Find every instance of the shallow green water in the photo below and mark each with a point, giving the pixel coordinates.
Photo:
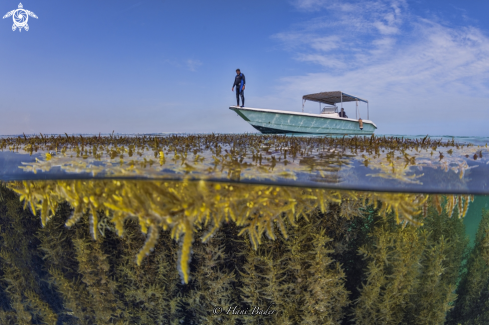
(474, 214)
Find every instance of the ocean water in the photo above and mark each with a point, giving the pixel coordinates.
(243, 229)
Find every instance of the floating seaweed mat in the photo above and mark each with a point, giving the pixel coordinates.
(236, 141)
(378, 163)
(187, 207)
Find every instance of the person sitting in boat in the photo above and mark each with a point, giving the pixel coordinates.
(342, 113)
(239, 82)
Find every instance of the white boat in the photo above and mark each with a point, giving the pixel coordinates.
(328, 121)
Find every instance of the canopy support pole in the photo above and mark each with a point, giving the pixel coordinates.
(358, 112)
(368, 115)
(303, 102)
(341, 99)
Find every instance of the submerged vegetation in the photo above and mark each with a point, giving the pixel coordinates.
(472, 304)
(299, 253)
(185, 207)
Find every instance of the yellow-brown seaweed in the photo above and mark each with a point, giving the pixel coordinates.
(312, 275)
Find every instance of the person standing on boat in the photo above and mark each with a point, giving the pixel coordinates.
(239, 83)
(342, 113)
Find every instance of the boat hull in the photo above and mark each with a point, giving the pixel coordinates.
(277, 122)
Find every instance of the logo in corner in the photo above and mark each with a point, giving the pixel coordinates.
(20, 17)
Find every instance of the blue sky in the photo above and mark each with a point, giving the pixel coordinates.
(168, 66)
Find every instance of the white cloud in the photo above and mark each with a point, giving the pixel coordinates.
(192, 65)
(355, 33)
(323, 60)
(384, 16)
(326, 44)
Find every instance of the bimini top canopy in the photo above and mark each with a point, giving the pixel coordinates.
(332, 97)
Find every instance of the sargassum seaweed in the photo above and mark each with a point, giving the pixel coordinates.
(184, 207)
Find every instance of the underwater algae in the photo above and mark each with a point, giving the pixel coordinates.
(472, 305)
(185, 207)
(121, 258)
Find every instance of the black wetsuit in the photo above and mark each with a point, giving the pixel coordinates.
(343, 114)
(239, 82)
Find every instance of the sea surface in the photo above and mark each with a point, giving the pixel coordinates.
(243, 229)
